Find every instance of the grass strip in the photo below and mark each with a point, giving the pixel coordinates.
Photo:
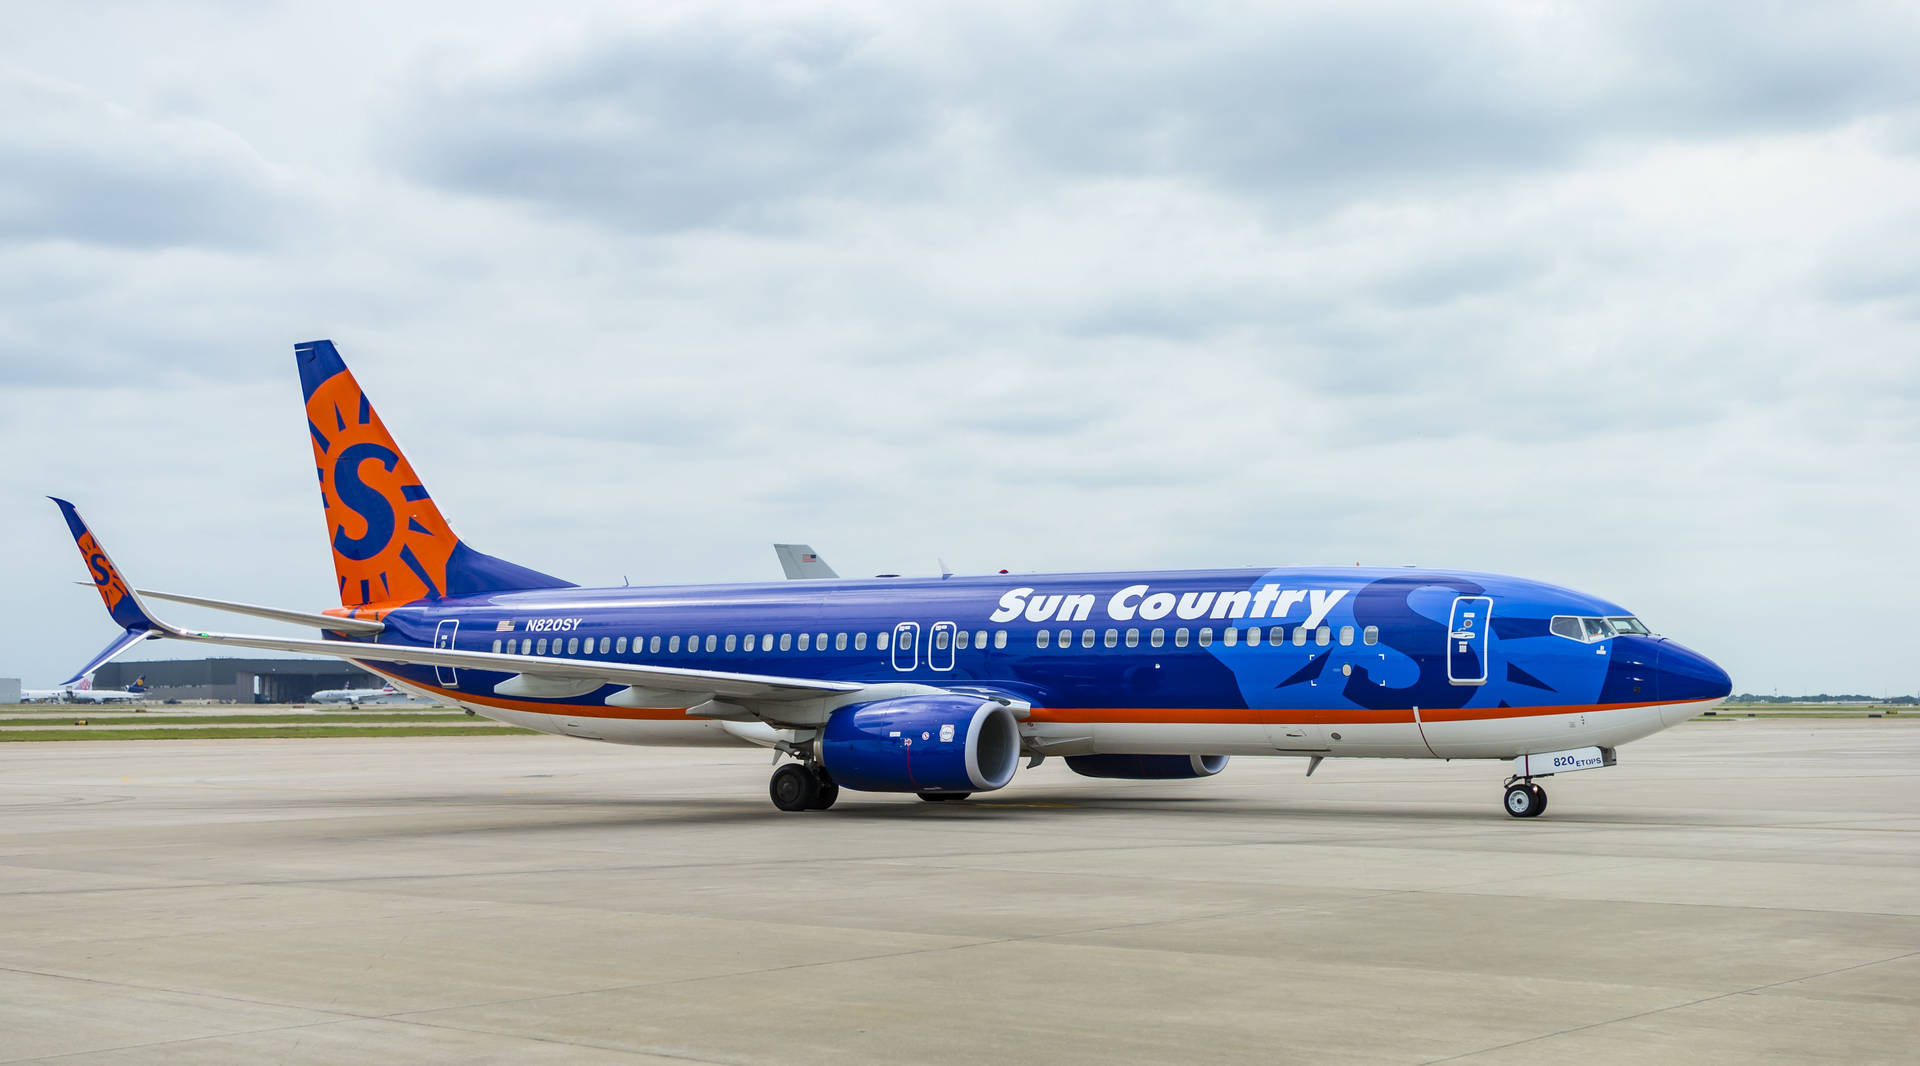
(261, 733)
(234, 719)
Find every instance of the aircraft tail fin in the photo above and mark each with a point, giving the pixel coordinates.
(800, 562)
(390, 543)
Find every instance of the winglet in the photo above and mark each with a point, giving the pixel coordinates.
(123, 603)
(111, 652)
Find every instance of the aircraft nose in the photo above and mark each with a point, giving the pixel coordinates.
(1684, 675)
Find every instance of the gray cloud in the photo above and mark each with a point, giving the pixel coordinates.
(75, 167)
(657, 132)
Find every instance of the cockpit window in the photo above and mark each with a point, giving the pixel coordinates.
(1584, 630)
(1630, 624)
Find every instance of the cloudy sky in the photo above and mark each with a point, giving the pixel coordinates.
(1620, 296)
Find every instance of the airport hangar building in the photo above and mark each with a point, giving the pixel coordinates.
(239, 680)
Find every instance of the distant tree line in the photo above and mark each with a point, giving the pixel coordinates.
(1897, 701)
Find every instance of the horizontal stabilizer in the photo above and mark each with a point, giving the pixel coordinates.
(355, 626)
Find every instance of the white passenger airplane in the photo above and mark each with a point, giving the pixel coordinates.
(82, 691)
(357, 696)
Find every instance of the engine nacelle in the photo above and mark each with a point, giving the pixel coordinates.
(1147, 767)
(930, 743)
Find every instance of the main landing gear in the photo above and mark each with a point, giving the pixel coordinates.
(1525, 799)
(802, 787)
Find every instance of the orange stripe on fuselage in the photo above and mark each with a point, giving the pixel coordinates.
(569, 710)
(1311, 716)
(1086, 715)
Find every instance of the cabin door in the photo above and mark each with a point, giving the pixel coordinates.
(443, 635)
(1467, 640)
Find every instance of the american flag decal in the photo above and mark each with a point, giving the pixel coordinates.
(504, 627)
(809, 557)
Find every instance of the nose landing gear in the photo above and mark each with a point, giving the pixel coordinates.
(1525, 799)
(802, 787)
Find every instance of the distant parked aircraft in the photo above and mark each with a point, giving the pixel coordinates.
(82, 691)
(358, 696)
(801, 562)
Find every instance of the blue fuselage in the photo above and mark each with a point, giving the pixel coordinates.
(1320, 647)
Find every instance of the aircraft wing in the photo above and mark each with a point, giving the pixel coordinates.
(800, 562)
(706, 693)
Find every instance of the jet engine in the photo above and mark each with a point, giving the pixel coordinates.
(1147, 767)
(933, 743)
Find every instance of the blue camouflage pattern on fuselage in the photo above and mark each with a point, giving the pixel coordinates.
(1528, 667)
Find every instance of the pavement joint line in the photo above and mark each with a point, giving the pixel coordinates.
(1673, 1007)
(178, 1040)
(336, 1016)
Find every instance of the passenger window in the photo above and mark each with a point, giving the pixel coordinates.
(1157, 638)
(960, 640)
(839, 642)
(748, 643)
(1346, 636)
(1066, 638)
(786, 642)
(979, 639)
(1277, 635)
(999, 638)
(693, 644)
(1299, 636)
(820, 641)
(573, 645)
(1206, 636)
(1113, 638)
(1086, 638)
(1180, 637)
(1229, 636)
(806, 641)
(940, 639)
(860, 641)
(496, 645)
(543, 646)
(653, 644)
(733, 641)
(1133, 638)
(1253, 636)
(1370, 635)
(1323, 636)
(606, 644)
(880, 641)
(511, 644)
(1042, 637)
(620, 646)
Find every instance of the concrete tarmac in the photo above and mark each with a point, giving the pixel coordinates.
(1733, 891)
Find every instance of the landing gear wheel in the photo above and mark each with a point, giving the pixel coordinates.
(824, 795)
(943, 797)
(794, 788)
(1526, 800)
